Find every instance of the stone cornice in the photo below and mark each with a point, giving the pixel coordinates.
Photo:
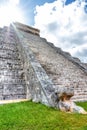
(27, 28)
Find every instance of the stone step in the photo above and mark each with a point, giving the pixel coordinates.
(7, 41)
(13, 97)
(13, 89)
(3, 41)
(10, 66)
(8, 47)
(81, 89)
(80, 92)
(8, 53)
(13, 76)
(11, 61)
(5, 63)
(12, 73)
(10, 80)
(79, 98)
(9, 58)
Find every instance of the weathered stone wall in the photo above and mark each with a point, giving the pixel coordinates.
(12, 85)
(21, 75)
(26, 28)
(39, 87)
(62, 69)
(32, 68)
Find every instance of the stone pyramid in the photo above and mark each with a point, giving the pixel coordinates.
(32, 68)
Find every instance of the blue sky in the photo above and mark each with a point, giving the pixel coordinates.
(62, 22)
(29, 7)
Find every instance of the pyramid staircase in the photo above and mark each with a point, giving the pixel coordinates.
(63, 69)
(12, 82)
(32, 68)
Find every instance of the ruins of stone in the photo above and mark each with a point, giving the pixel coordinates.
(32, 68)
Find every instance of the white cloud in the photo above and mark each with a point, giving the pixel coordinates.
(10, 12)
(64, 25)
(14, 2)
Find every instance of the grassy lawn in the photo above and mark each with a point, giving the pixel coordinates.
(31, 116)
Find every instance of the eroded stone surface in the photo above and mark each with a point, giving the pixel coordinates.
(32, 68)
(12, 85)
(62, 69)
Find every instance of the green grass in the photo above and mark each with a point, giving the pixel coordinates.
(31, 116)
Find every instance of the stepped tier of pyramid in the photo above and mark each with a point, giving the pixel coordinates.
(32, 68)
